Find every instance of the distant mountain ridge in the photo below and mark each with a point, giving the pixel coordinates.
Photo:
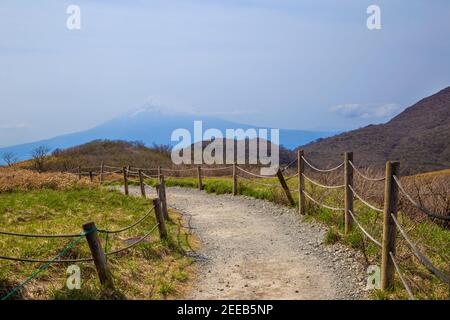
(419, 137)
(152, 126)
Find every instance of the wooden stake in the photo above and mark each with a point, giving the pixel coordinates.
(301, 182)
(199, 175)
(79, 172)
(389, 227)
(285, 187)
(141, 182)
(348, 182)
(102, 170)
(235, 180)
(91, 176)
(125, 180)
(98, 254)
(160, 219)
(162, 197)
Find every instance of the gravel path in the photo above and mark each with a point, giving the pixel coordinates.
(254, 249)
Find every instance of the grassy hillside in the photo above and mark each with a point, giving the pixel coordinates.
(154, 269)
(418, 137)
(114, 153)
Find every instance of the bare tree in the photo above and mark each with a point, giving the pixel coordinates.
(39, 155)
(10, 158)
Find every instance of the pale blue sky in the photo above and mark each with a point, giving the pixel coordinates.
(280, 63)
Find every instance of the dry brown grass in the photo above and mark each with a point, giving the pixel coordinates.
(27, 180)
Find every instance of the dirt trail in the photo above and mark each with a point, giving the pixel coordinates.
(253, 249)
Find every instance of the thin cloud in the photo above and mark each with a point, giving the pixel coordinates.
(366, 111)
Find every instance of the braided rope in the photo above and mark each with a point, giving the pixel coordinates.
(150, 176)
(27, 235)
(214, 169)
(254, 174)
(134, 243)
(289, 165)
(405, 284)
(422, 258)
(321, 185)
(289, 178)
(271, 185)
(378, 243)
(364, 201)
(364, 176)
(321, 170)
(418, 206)
(321, 204)
(130, 226)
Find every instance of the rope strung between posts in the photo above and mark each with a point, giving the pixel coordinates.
(408, 289)
(289, 165)
(422, 258)
(134, 243)
(321, 170)
(130, 226)
(364, 201)
(364, 176)
(27, 235)
(271, 185)
(254, 174)
(289, 178)
(215, 169)
(71, 245)
(322, 185)
(418, 206)
(150, 176)
(178, 170)
(321, 204)
(378, 243)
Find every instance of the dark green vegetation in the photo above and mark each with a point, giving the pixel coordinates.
(154, 269)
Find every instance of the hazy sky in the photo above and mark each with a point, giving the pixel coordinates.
(280, 63)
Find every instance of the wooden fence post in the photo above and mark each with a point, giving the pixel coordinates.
(98, 254)
(102, 170)
(285, 187)
(125, 180)
(91, 176)
(162, 197)
(389, 227)
(141, 182)
(301, 182)
(160, 219)
(199, 175)
(348, 182)
(235, 180)
(79, 172)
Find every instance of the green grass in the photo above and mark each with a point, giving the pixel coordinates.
(142, 272)
(433, 239)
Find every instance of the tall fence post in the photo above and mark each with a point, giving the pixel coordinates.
(79, 172)
(285, 187)
(199, 175)
(141, 183)
(162, 197)
(301, 182)
(125, 180)
(160, 219)
(102, 170)
(348, 182)
(98, 255)
(389, 227)
(91, 176)
(235, 181)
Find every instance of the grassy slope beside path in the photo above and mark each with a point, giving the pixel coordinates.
(152, 270)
